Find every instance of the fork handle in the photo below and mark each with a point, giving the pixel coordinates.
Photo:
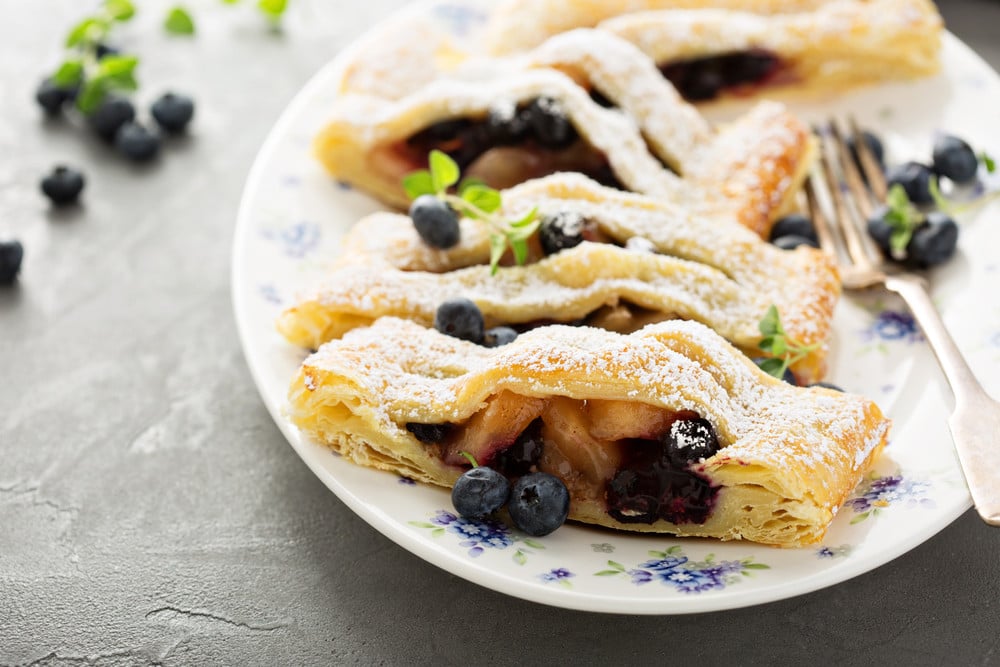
(975, 422)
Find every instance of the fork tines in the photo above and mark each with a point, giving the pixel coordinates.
(853, 188)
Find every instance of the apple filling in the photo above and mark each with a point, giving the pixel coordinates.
(640, 460)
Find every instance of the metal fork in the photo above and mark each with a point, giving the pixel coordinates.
(975, 421)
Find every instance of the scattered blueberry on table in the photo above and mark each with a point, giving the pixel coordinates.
(63, 185)
(11, 255)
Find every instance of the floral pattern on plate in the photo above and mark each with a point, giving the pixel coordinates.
(478, 535)
(877, 493)
(673, 568)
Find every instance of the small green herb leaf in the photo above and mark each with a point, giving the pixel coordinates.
(69, 74)
(484, 198)
(468, 183)
(90, 97)
(179, 22)
(524, 232)
(88, 31)
(770, 325)
(498, 246)
(520, 249)
(273, 9)
(527, 219)
(444, 171)
(418, 183)
(773, 366)
(117, 72)
(988, 162)
(903, 217)
(119, 10)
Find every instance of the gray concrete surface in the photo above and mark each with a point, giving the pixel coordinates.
(151, 512)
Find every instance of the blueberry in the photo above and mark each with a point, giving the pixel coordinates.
(63, 186)
(519, 458)
(954, 159)
(460, 318)
(435, 221)
(690, 440)
(429, 434)
(702, 83)
(792, 241)
(101, 49)
(915, 179)
(110, 115)
(749, 67)
(173, 112)
(933, 241)
(51, 97)
(600, 99)
(794, 224)
(498, 336)
(826, 385)
(539, 503)
(549, 123)
(880, 230)
(137, 143)
(479, 492)
(11, 254)
(505, 125)
(561, 231)
(874, 147)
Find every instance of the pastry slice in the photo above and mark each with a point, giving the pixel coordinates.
(712, 53)
(667, 430)
(712, 271)
(530, 122)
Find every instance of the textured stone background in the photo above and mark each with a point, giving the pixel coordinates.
(151, 512)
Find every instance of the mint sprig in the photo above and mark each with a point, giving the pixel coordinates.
(179, 22)
(111, 73)
(988, 162)
(903, 217)
(784, 349)
(477, 201)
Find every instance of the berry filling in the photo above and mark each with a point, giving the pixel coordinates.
(509, 145)
(737, 73)
(638, 459)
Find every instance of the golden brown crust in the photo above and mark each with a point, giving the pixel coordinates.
(790, 456)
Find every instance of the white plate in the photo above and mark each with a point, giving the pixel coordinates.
(292, 216)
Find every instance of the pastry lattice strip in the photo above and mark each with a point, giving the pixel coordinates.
(715, 272)
(789, 456)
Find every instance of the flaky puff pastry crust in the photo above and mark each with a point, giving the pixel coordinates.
(712, 271)
(789, 456)
(750, 169)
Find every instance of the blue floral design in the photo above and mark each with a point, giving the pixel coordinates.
(892, 325)
(458, 18)
(834, 552)
(557, 575)
(270, 293)
(296, 240)
(673, 568)
(878, 493)
(479, 535)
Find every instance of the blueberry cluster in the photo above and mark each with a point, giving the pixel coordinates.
(934, 236)
(543, 120)
(657, 480)
(538, 503)
(701, 79)
(462, 318)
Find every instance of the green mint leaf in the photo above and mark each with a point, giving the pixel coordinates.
(773, 367)
(779, 345)
(498, 246)
(523, 233)
(88, 31)
(119, 10)
(418, 183)
(90, 97)
(484, 198)
(527, 219)
(444, 171)
(899, 238)
(520, 248)
(942, 203)
(988, 162)
(69, 74)
(896, 199)
(112, 66)
(770, 325)
(468, 183)
(766, 344)
(179, 22)
(272, 8)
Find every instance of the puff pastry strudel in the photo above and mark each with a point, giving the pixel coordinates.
(613, 416)
(712, 271)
